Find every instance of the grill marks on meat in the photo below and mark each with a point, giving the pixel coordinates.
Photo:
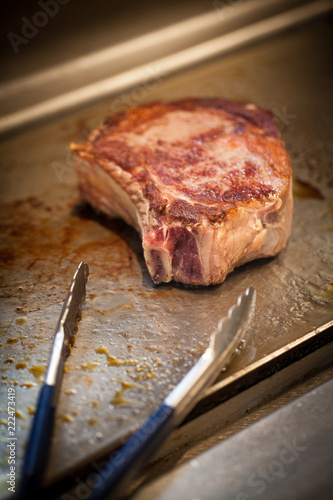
(206, 182)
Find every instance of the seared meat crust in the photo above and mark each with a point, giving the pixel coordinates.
(206, 182)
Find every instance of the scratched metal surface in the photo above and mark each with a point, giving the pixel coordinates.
(136, 340)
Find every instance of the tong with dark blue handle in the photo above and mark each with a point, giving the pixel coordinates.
(142, 446)
(40, 437)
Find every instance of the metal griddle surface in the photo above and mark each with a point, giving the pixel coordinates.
(136, 340)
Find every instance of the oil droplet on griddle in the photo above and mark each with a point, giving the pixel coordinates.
(111, 360)
(144, 376)
(21, 321)
(19, 414)
(93, 421)
(67, 418)
(37, 370)
(89, 367)
(328, 292)
(119, 399)
(94, 404)
(130, 385)
(4, 327)
(20, 366)
(70, 391)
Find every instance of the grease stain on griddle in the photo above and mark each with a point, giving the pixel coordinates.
(143, 370)
(93, 421)
(44, 246)
(89, 366)
(70, 392)
(12, 340)
(20, 365)
(27, 385)
(119, 399)
(111, 360)
(143, 375)
(81, 380)
(303, 189)
(66, 418)
(20, 414)
(130, 385)
(327, 293)
(93, 404)
(4, 327)
(37, 371)
(21, 321)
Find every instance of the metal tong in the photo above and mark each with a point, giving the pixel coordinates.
(41, 433)
(142, 446)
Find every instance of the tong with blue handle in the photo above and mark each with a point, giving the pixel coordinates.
(40, 437)
(143, 445)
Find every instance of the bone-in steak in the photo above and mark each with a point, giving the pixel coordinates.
(206, 182)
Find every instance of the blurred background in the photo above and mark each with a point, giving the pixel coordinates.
(61, 54)
(67, 64)
(82, 26)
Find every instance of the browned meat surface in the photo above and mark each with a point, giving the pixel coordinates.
(206, 182)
